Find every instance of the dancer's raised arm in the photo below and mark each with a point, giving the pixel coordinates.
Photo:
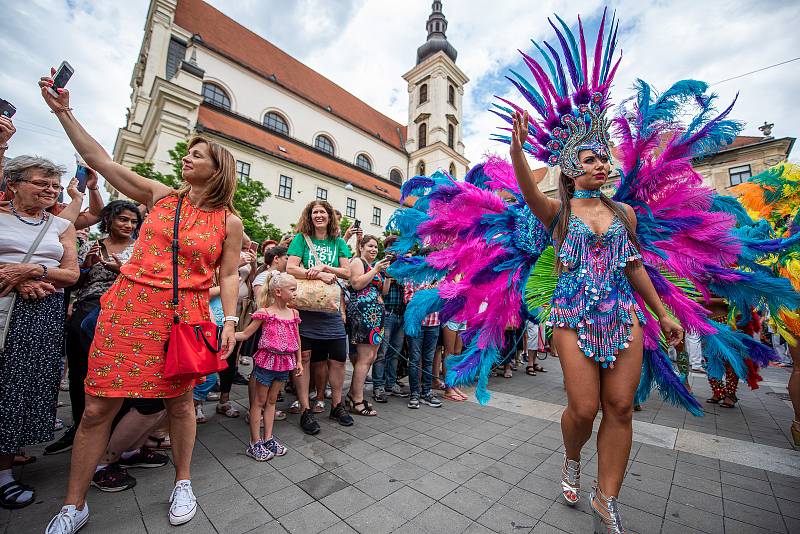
(544, 207)
(125, 180)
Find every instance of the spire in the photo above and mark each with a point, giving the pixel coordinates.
(437, 38)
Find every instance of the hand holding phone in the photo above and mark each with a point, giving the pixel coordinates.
(82, 174)
(7, 109)
(61, 77)
(356, 225)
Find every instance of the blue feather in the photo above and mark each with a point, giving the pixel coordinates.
(726, 204)
(423, 303)
(656, 368)
(726, 346)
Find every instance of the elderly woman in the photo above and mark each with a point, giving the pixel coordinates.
(101, 261)
(37, 260)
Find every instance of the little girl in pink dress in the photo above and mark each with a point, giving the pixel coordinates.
(278, 353)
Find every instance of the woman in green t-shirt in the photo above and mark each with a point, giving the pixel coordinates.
(322, 334)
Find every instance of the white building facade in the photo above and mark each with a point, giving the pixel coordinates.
(289, 127)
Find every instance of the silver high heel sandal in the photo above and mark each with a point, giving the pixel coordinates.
(571, 481)
(606, 521)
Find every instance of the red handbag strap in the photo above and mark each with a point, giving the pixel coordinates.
(175, 246)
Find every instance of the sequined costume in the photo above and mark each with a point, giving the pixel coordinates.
(592, 294)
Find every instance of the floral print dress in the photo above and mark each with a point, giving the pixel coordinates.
(129, 349)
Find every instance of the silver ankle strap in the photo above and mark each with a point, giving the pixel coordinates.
(611, 519)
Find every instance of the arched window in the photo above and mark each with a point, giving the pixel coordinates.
(451, 136)
(451, 95)
(452, 170)
(323, 143)
(276, 123)
(421, 168)
(216, 95)
(395, 177)
(422, 134)
(423, 93)
(364, 162)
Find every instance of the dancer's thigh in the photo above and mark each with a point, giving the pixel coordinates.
(618, 385)
(581, 374)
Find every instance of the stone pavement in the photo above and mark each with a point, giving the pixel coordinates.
(464, 468)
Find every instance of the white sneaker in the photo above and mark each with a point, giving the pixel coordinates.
(69, 520)
(184, 503)
(199, 416)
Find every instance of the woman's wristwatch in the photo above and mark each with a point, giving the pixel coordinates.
(231, 318)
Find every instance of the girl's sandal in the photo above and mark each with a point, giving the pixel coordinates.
(530, 370)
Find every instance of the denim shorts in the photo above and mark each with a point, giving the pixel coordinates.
(266, 377)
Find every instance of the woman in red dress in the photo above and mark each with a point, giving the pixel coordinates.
(127, 356)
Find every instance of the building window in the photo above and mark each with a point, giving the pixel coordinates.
(739, 174)
(364, 162)
(273, 121)
(395, 177)
(451, 136)
(376, 216)
(323, 143)
(351, 208)
(175, 54)
(421, 168)
(285, 187)
(451, 95)
(423, 135)
(216, 95)
(322, 193)
(452, 170)
(423, 93)
(242, 170)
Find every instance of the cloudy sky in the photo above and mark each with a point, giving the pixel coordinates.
(366, 45)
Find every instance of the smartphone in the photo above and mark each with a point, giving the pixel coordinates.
(254, 247)
(390, 257)
(82, 173)
(7, 109)
(357, 224)
(61, 77)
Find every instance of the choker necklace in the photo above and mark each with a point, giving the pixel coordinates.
(15, 214)
(586, 193)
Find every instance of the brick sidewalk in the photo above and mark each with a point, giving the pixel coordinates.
(460, 468)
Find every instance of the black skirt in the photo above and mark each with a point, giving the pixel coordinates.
(30, 369)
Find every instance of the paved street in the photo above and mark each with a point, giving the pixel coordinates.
(464, 468)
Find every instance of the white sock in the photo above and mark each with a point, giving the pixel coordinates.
(127, 454)
(6, 477)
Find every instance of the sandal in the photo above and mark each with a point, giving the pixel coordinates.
(453, 396)
(318, 407)
(158, 444)
(530, 370)
(538, 368)
(713, 400)
(9, 493)
(295, 407)
(227, 410)
(507, 374)
(365, 410)
(728, 402)
(280, 415)
(460, 394)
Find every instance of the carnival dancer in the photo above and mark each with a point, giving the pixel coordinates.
(127, 357)
(628, 269)
(774, 196)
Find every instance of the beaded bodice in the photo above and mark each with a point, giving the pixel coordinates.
(593, 295)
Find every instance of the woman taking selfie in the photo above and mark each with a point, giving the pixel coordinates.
(136, 313)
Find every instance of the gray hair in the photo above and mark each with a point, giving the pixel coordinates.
(19, 168)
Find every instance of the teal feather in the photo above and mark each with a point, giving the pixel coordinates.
(423, 303)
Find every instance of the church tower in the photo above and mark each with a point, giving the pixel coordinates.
(435, 103)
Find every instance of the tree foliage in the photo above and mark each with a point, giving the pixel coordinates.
(250, 194)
